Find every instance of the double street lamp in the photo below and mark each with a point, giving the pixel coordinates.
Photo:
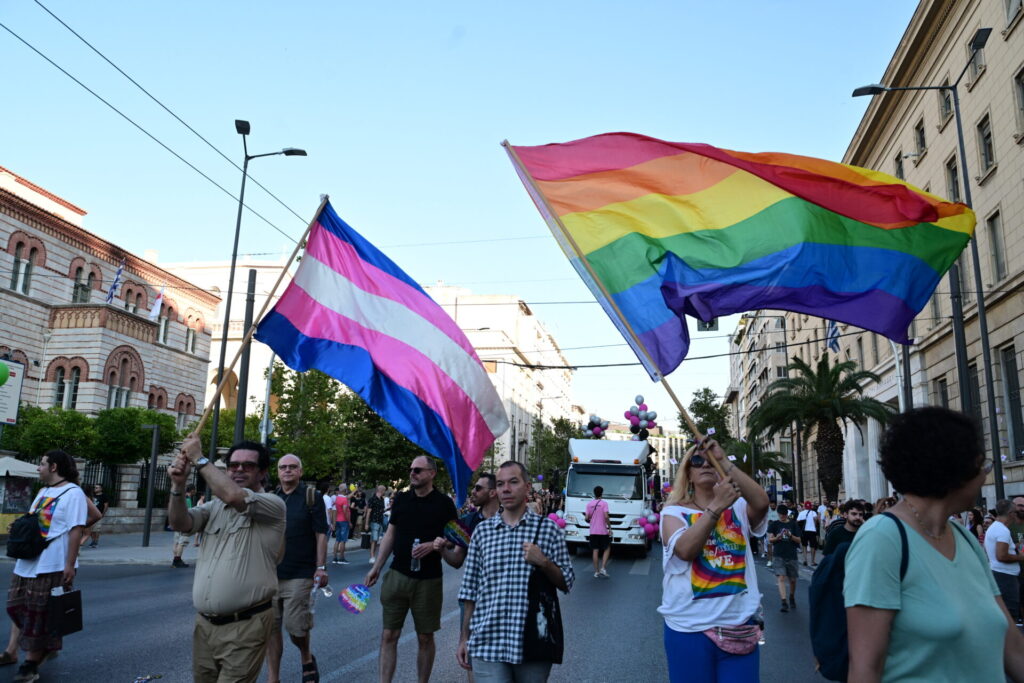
(959, 339)
(242, 128)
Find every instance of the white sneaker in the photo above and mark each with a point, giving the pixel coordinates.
(597, 575)
(604, 573)
(768, 564)
(372, 560)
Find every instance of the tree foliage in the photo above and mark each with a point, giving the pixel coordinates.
(121, 440)
(226, 429)
(308, 421)
(821, 397)
(41, 430)
(708, 411)
(549, 450)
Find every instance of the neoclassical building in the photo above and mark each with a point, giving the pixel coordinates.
(80, 352)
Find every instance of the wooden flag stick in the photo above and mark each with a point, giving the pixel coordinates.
(691, 424)
(247, 339)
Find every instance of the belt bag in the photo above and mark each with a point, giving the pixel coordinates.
(735, 640)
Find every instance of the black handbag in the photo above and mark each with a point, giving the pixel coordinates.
(364, 541)
(543, 638)
(64, 613)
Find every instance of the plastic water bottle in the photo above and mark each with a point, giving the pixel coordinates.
(414, 562)
(327, 592)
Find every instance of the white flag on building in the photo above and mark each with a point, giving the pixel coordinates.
(154, 312)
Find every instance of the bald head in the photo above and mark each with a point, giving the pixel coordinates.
(1018, 504)
(289, 471)
(291, 458)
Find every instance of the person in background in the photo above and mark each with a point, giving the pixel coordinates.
(102, 503)
(374, 520)
(63, 513)
(600, 532)
(853, 514)
(710, 580)
(181, 539)
(328, 497)
(785, 536)
(1004, 557)
(773, 516)
(944, 620)
(976, 523)
(808, 520)
(341, 517)
(1017, 532)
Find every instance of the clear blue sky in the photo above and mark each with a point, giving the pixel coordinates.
(402, 107)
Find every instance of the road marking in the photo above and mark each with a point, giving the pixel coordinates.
(372, 655)
(641, 567)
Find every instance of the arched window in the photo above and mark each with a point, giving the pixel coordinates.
(26, 279)
(138, 303)
(80, 292)
(19, 251)
(59, 388)
(165, 325)
(190, 340)
(72, 390)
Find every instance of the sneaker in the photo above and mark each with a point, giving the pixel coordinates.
(27, 673)
(178, 563)
(792, 602)
(343, 561)
(768, 564)
(604, 573)
(372, 560)
(94, 544)
(784, 608)
(335, 561)
(597, 575)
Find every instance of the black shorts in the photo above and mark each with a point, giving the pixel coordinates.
(600, 541)
(810, 538)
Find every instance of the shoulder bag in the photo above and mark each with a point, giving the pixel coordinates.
(543, 637)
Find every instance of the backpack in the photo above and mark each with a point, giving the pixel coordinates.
(25, 540)
(828, 611)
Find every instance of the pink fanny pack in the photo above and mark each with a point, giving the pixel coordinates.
(735, 640)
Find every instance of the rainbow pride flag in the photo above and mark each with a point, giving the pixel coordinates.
(660, 230)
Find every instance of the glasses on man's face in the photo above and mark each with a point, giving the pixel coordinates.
(481, 487)
(288, 467)
(417, 470)
(245, 465)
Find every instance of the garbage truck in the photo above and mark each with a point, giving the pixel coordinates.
(617, 467)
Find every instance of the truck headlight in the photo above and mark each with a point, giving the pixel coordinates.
(572, 519)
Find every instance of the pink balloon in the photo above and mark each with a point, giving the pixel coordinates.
(627, 415)
(657, 517)
(650, 531)
(634, 420)
(560, 522)
(651, 424)
(553, 517)
(597, 431)
(643, 406)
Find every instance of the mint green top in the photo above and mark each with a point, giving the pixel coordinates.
(948, 626)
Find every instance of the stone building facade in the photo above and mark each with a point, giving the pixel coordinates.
(80, 352)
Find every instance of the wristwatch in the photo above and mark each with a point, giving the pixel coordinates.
(201, 462)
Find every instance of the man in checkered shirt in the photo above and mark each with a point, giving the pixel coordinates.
(494, 584)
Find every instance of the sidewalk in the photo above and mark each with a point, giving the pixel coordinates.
(127, 549)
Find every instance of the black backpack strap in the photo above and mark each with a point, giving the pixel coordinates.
(904, 546)
(36, 511)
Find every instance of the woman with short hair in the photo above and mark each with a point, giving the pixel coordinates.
(710, 600)
(944, 620)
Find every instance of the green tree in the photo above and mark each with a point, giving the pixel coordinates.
(821, 397)
(749, 461)
(308, 421)
(121, 440)
(549, 449)
(41, 430)
(708, 411)
(226, 429)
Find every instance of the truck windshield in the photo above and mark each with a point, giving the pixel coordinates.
(619, 482)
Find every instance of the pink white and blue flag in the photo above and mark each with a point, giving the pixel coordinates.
(352, 313)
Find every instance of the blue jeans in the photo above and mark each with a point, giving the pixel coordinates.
(693, 658)
(341, 532)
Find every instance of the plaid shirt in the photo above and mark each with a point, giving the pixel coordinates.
(496, 577)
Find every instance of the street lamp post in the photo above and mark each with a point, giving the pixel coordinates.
(959, 337)
(242, 128)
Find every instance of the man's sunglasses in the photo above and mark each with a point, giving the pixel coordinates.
(481, 487)
(288, 467)
(246, 465)
(699, 461)
(417, 470)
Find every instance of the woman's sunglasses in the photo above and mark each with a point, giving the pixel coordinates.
(699, 461)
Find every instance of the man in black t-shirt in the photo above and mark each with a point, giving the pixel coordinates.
(853, 514)
(785, 539)
(102, 503)
(416, 536)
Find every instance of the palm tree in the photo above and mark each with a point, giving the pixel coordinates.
(820, 397)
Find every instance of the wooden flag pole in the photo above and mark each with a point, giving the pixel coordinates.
(556, 221)
(247, 339)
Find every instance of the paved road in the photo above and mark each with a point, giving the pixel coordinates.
(139, 621)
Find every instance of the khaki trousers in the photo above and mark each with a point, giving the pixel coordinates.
(231, 653)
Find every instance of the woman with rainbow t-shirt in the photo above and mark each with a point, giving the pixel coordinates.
(710, 598)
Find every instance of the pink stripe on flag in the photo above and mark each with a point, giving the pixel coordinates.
(401, 363)
(341, 257)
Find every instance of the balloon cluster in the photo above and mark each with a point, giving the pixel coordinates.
(595, 428)
(556, 517)
(648, 522)
(640, 419)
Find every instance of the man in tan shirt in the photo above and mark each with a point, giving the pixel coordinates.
(236, 573)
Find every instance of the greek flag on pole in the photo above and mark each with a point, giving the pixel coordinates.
(352, 313)
(832, 338)
(116, 284)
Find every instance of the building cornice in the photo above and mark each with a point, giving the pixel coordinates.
(85, 241)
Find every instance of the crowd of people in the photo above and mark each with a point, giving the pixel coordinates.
(931, 593)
